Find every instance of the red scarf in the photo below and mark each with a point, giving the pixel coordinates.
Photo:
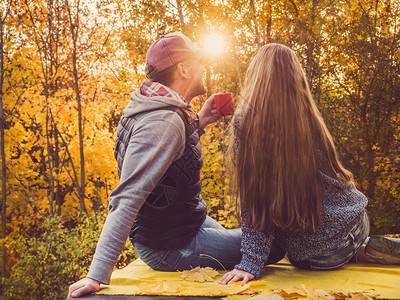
(152, 89)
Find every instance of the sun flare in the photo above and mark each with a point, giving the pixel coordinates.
(214, 44)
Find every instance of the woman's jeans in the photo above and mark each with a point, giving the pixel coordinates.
(336, 258)
(213, 246)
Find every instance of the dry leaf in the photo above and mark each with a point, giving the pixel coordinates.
(200, 274)
(215, 289)
(291, 293)
(237, 287)
(267, 297)
(355, 294)
(249, 292)
(319, 294)
(322, 294)
(256, 287)
(164, 286)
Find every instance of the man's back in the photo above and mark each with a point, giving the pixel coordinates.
(174, 210)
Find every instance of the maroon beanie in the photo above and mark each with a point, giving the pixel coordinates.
(167, 51)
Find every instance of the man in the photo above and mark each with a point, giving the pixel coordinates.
(157, 202)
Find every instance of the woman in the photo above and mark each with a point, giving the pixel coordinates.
(296, 198)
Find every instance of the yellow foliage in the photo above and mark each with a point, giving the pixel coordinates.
(215, 179)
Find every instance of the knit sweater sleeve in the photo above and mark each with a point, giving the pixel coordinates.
(256, 246)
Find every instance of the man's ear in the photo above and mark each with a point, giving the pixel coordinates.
(182, 70)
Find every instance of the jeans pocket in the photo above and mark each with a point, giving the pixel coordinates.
(151, 257)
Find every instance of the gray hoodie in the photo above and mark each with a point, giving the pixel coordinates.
(158, 139)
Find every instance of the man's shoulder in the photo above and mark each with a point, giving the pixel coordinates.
(166, 116)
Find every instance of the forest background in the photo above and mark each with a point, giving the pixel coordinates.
(69, 66)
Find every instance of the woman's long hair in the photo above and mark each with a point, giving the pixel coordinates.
(275, 161)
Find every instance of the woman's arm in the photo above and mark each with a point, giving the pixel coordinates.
(256, 246)
(236, 275)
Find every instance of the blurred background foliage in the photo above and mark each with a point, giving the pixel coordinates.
(68, 68)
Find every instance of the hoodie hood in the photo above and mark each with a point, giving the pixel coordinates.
(140, 103)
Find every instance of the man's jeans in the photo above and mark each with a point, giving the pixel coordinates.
(213, 246)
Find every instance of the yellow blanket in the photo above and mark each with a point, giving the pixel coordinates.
(138, 279)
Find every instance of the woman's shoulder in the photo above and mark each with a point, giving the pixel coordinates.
(335, 182)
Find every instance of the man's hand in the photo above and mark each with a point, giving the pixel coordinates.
(236, 275)
(82, 287)
(208, 113)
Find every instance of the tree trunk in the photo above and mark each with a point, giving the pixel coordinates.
(179, 7)
(57, 169)
(3, 157)
(49, 150)
(237, 67)
(81, 154)
(269, 23)
(74, 35)
(208, 81)
(310, 42)
(253, 9)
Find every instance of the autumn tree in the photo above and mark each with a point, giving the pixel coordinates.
(46, 27)
(41, 43)
(364, 68)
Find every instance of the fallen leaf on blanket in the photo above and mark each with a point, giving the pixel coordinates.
(310, 293)
(200, 274)
(355, 294)
(305, 293)
(159, 287)
(291, 293)
(256, 287)
(322, 294)
(267, 297)
(215, 289)
(237, 287)
(317, 293)
(249, 292)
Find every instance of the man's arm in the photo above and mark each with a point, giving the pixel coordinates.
(208, 113)
(82, 287)
(155, 143)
